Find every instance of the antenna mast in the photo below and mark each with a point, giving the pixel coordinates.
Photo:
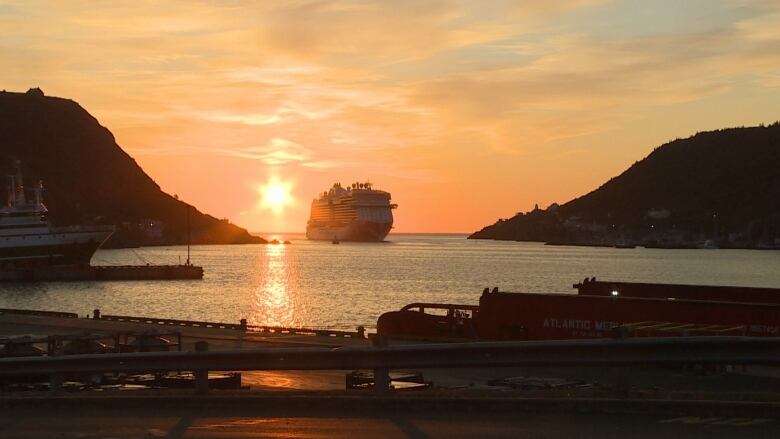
(189, 234)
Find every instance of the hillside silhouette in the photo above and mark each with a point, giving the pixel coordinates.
(722, 186)
(89, 179)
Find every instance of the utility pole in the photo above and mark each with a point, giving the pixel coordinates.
(189, 233)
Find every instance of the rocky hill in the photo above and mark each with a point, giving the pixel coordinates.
(90, 179)
(721, 186)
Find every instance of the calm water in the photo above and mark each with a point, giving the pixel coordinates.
(342, 286)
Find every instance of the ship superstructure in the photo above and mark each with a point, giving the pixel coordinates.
(357, 212)
(27, 240)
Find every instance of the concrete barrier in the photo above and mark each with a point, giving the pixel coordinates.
(591, 352)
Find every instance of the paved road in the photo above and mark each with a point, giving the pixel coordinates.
(166, 423)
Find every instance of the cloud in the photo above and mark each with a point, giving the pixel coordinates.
(578, 85)
(6, 9)
(276, 152)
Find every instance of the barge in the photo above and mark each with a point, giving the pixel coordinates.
(535, 316)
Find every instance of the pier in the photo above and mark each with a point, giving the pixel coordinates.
(102, 273)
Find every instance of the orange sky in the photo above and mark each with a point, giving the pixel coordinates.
(465, 111)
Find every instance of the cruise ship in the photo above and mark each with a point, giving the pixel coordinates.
(354, 213)
(27, 239)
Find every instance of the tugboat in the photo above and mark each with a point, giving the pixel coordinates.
(27, 239)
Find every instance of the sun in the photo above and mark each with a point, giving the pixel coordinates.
(275, 195)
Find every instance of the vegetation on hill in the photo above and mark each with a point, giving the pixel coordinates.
(722, 186)
(89, 179)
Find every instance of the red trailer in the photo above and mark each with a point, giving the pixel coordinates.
(512, 316)
(525, 316)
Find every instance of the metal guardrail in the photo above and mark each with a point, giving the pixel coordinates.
(594, 352)
(360, 333)
(171, 322)
(35, 312)
(242, 326)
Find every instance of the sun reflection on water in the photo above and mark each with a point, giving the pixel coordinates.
(274, 303)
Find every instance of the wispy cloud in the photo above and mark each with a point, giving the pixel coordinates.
(276, 152)
(7, 9)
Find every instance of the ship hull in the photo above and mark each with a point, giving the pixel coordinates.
(359, 231)
(71, 248)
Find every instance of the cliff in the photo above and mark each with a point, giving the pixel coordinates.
(89, 179)
(720, 185)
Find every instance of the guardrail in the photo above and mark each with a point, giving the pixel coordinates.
(359, 333)
(241, 326)
(170, 322)
(596, 352)
(35, 312)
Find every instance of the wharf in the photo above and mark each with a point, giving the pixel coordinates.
(102, 273)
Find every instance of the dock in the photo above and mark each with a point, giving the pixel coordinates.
(102, 273)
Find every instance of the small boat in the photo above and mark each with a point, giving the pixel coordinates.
(707, 245)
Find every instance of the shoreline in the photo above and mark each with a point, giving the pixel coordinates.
(626, 246)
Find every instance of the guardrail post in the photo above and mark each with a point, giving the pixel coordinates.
(201, 376)
(622, 386)
(381, 374)
(55, 383)
(55, 379)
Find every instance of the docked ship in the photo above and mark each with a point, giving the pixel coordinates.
(27, 239)
(354, 213)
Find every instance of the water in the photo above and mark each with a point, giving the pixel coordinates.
(342, 286)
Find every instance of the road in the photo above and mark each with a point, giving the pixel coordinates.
(149, 423)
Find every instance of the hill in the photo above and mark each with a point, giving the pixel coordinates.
(722, 186)
(89, 179)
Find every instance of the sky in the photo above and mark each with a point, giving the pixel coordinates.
(465, 111)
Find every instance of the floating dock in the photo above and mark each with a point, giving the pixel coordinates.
(102, 273)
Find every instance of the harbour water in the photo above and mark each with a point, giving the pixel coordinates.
(318, 284)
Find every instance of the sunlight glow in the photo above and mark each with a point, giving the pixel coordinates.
(275, 195)
(273, 303)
